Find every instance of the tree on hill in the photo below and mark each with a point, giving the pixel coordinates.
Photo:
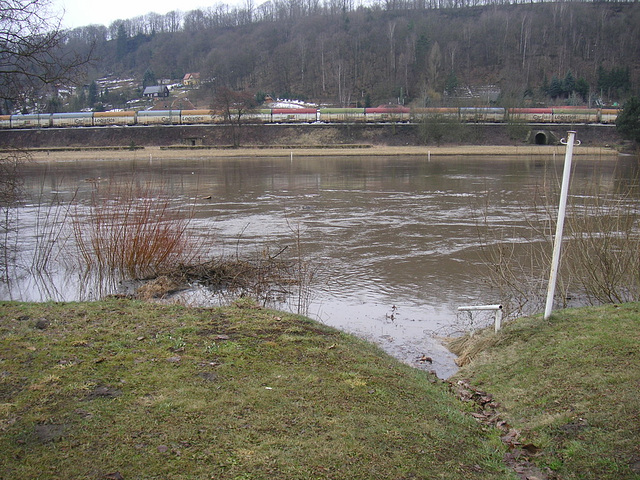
(149, 79)
(93, 93)
(569, 84)
(628, 122)
(555, 88)
(614, 82)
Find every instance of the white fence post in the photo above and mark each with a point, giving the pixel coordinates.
(497, 323)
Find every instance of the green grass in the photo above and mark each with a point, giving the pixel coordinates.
(571, 385)
(150, 391)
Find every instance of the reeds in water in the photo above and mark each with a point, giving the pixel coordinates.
(132, 231)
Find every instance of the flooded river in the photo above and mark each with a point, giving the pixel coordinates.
(395, 240)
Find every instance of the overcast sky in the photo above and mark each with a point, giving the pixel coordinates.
(79, 13)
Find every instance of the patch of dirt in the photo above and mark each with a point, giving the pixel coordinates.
(158, 288)
(103, 391)
(42, 324)
(113, 476)
(49, 432)
(519, 455)
(208, 376)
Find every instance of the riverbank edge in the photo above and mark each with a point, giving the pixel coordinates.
(221, 383)
(430, 152)
(560, 389)
(173, 342)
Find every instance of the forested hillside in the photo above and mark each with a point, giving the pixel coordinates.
(414, 52)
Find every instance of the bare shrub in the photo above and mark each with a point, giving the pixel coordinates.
(132, 231)
(604, 248)
(50, 232)
(305, 272)
(600, 259)
(517, 259)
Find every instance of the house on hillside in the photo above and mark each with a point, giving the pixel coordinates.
(155, 92)
(191, 80)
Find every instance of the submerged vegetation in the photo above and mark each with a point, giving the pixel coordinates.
(600, 260)
(131, 231)
(134, 232)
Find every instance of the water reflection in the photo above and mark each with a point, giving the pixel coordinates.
(396, 238)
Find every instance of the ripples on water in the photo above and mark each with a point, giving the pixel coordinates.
(396, 240)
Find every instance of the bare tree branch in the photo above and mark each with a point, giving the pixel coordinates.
(30, 49)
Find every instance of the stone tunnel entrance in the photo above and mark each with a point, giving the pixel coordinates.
(542, 137)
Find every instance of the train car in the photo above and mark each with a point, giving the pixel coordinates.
(482, 114)
(35, 120)
(260, 115)
(575, 115)
(341, 115)
(114, 118)
(385, 113)
(434, 113)
(158, 117)
(77, 119)
(192, 117)
(263, 115)
(609, 115)
(380, 114)
(294, 115)
(531, 115)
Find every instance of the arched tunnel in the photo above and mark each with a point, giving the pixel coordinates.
(542, 137)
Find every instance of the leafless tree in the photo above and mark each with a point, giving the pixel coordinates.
(234, 106)
(30, 58)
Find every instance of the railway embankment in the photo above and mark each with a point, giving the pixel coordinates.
(347, 135)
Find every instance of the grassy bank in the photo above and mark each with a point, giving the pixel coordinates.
(568, 388)
(121, 389)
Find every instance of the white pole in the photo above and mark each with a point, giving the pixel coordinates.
(557, 244)
(498, 315)
(497, 323)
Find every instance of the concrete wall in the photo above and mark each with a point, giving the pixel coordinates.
(315, 134)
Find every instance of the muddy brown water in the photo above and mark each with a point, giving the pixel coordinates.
(395, 240)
